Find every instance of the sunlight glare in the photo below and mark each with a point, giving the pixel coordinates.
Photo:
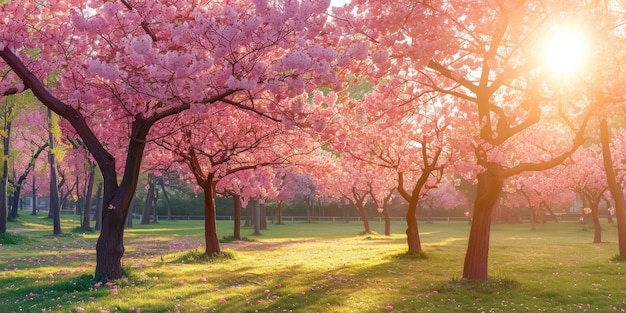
(565, 51)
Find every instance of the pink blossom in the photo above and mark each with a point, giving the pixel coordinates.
(80, 309)
(50, 276)
(389, 307)
(279, 285)
(176, 309)
(222, 301)
(181, 282)
(259, 301)
(202, 279)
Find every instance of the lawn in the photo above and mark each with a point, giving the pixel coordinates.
(313, 267)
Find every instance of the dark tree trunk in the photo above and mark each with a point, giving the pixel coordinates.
(210, 217)
(147, 207)
(609, 216)
(263, 219)
(280, 212)
(387, 222)
(366, 224)
(256, 212)
(237, 213)
(154, 205)
(98, 214)
(15, 201)
(614, 187)
(34, 195)
(55, 204)
(490, 184)
(167, 200)
(597, 228)
(412, 232)
(5, 179)
(131, 212)
(110, 245)
(248, 221)
(88, 196)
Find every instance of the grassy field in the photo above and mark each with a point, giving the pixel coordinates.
(313, 267)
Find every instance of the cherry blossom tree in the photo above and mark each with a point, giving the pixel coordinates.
(124, 67)
(222, 142)
(28, 143)
(483, 55)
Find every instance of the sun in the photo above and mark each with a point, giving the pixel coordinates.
(565, 51)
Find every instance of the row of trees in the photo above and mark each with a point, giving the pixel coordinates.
(264, 100)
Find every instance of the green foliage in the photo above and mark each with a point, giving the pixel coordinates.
(229, 239)
(12, 239)
(199, 256)
(81, 283)
(80, 230)
(409, 255)
(619, 258)
(492, 285)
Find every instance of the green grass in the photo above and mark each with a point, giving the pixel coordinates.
(313, 267)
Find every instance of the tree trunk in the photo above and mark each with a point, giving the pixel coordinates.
(88, 196)
(131, 212)
(147, 207)
(614, 187)
(167, 200)
(210, 217)
(597, 228)
(34, 195)
(5, 178)
(248, 221)
(98, 214)
(490, 184)
(237, 213)
(154, 205)
(412, 231)
(387, 222)
(280, 212)
(110, 244)
(15, 200)
(366, 223)
(256, 212)
(263, 219)
(55, 204)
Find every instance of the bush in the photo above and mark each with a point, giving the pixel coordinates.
(11, 238)
(198, 256)
(492, 285)
(226, 239)
(81, 283)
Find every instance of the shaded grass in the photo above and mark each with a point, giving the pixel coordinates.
(316, 267)
(12, 239)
